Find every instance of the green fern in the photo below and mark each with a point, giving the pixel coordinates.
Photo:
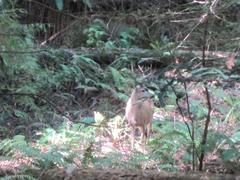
(128, 36)
(96, 33)
(18, 177)
(119, 80)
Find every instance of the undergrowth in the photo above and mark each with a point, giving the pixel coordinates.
(60, 107)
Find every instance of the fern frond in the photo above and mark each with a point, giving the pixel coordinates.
(18, 177)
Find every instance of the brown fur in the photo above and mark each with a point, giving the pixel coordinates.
(139, 113)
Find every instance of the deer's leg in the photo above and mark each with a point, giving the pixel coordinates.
(149, 127)
(132, 137)
(143, 137)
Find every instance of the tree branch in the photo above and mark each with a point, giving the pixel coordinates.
(205, 133)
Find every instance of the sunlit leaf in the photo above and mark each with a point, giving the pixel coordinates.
(20, 114)
(236, 137)
(59, 4)
(88, 3)
(98, 117)
(230, 154)
(88, 120)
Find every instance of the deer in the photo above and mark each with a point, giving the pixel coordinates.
(139, 114)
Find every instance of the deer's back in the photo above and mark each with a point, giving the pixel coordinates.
(139, 112)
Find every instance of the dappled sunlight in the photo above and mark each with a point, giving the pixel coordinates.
(10, 164)
(20, 160)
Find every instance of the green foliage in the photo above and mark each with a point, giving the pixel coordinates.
(88, 3)
(43, 160)
(114, 159)
(14, 65)
(171, 136)
(230, 154)
(18, 176)
(128, 36)
(165, 47)
(59, 4)
(121, 61)
(118, 78)
(88, 156)
(96, 33)
(54, 147)
(215, 140)
(17, 72)
(203, 73)
(98, 36)
(67, 135)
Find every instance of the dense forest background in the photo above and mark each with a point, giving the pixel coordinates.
(67, 68)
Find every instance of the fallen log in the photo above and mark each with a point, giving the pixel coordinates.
(123, 174)
(149, 56)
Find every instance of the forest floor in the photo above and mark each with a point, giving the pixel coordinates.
(121, 143)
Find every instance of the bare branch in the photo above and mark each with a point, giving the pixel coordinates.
(205, 133)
